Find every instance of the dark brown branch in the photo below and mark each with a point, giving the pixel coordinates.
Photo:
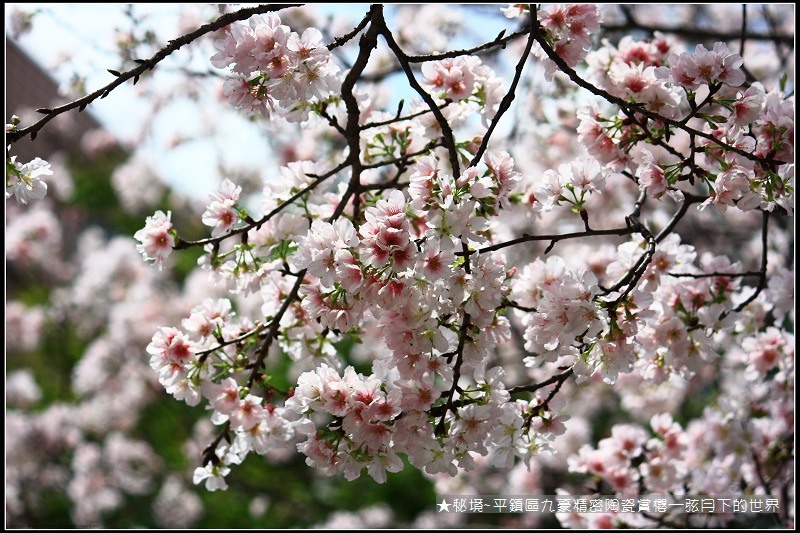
(762, 280)
(505, 104)
(715, 275)
(499, 41)
(688, 199)
(447, 131)
(144, 66)
(712, 90)
(332, 122)
(205, 353)
(340, 41)
(449, 404)
(544, 405)
(491, 47)
(403, 160)
(398, 118)
(558, 378)
(634, 274)
(367, 43)
(351, 132)
(272, 334)
(744, 36)
(759, 471)
(640, 201)
(515, 305)
(695, 34)
(553, 238)
(210, 452)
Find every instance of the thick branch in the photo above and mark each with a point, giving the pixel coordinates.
(368, 42)
(688, 199)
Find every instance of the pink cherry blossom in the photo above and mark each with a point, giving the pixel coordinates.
(156, 239)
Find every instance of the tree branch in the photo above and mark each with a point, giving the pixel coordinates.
(352, 131)
(507, 99)
(447, 131)
(144, 66)
(558, 378)
(500, 41)
(631, 108)
(181, 244)
(553, 238)
(695, 34)
(762, 280)
(272, 334)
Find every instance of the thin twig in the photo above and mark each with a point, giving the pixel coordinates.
(499, 41)
(181, 244)
(340, 41)
(236, 340)
(272, 334)
(558, 378)
(553, 238)
(762, 280)
(695, 34)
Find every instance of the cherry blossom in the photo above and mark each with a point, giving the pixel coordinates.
(427, 286)
(24, 181)
(156, 238)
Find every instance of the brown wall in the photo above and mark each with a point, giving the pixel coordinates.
(28, 87)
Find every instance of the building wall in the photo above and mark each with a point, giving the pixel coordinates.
(28, 87)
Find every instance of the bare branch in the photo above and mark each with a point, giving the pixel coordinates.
(506, 102)
(499, 41)
(553, 238)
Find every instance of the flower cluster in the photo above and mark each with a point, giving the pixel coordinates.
(418, 272)
(704, 66)
(554, 317)
(156, 238)
(279, 71)
(379, 273)
(221, 214)
(464, 79)
(567, 29)
(698, 88)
